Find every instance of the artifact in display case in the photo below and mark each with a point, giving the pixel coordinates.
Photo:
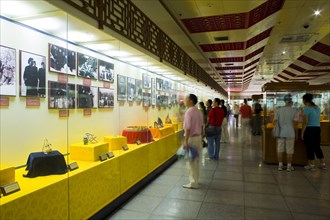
(137, 133)
(61, 95)
(47, 147)
(87, 96)
(89, 138)
(62, 60)
(87, 66)
(7, 71)
(121, 88)
(106, 71)
(168, 119)
(32, 74)
(106, 98)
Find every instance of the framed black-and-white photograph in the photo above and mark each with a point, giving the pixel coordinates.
(62, 60)
(106, 98)
(138, 90)
(146, 80)
(106, 71)
(166, 85)
(121, 88)
(87, 96)
(146, 99)
(131, 89)
(153, 92)
(61, 95)
(87, 66)
(174, 98)
(162, 101)
(32, 74)
(159, 84)
(7, 71)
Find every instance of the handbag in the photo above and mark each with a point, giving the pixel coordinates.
(211, 131)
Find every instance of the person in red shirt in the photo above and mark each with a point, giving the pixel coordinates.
(246, 113)
(215, 118)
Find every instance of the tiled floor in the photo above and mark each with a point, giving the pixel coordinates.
(239, 186)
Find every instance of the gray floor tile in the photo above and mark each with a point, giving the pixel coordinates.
(176, 171)
(228, 175)
(299, 216)
(140, 202)
(127, 214)
(206, 174)
(157, 189)
(178, 208)
(309, 206)
(225, 197)
(217, 211)
(266, 214)
(155, 217)
(257, 170)
(262, 188)
(300, 191)
(168, 179)
(228, 168)
(226, 185)
(179, 192)
(259, 178)
(265, 201)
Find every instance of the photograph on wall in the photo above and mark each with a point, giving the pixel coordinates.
(174, 99)
(138, 90)
(162, 101)
(166, 85)
(106, 98)
(87, 96)
(146, 81)
(106, 71)
(159, 84)
(146, 99)
(153, 92)
(87, 66)
(62, 60)
(32, 74)
(121, 88)
(131, 89)
(7, 71)
(61, 95)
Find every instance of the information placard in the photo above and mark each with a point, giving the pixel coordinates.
(32, 101)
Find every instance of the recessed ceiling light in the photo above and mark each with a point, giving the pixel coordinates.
(317, 12)
(283, 52)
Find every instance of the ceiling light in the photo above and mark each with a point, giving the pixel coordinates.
(78, 36)
(283, 52)
(141, 63)
(13, 9)
(117, 53)
(100, 47)
(317, 12)
(134, 59)
(46, 24)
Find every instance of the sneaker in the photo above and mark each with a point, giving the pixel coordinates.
(310, 167)
(280, 168)
(191, 186)
(322, 167)
(289, 169)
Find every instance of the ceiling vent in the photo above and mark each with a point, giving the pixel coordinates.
(229, 64)
(296, 38)
(223, 38)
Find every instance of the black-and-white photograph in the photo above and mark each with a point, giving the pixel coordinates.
(106, 98)
(146, 99)
(162, 101)
(121, 88)
(174, 99)
(61, 95)
(159, 84)
(32, 74)
(7, 71)
(153, 92)
(131, 89)
(87, 66)
(87, 96)
(166, 85)
(146, 80)
(138, 90)
(106, 71)
(62, 60)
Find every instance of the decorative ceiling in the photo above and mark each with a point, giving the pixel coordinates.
(245, 43)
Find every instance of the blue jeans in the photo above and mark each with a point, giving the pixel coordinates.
(214, 145)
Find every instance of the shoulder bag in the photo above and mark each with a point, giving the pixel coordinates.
(210, 130)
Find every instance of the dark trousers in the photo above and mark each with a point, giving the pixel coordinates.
(312, 139)
(257, 124)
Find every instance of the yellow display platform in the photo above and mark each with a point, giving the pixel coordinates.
(7, 175)
(81, 193)
(174, 125)
(161, 132)
(115, 143)
(90, 152)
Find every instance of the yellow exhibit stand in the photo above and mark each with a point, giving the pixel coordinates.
(89, 152)
(115, 143)
(175, 126)
(161, 132)
(7, 175)
(81, 193)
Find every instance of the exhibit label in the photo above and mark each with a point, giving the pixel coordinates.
(4, 101)
(87, 82)
(106, 85)
(32, 101)
(62, 113)
(87, 112)
(62, 78)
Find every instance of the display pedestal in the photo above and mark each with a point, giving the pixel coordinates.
(7, 175)
(174, 125)
(161, 132)
(132, 136)
(325, 131)
(90, 152)
(115, 143)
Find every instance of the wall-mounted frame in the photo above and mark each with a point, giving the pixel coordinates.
(32, 74)
(87, 96)
(7, 71)
(153, 92)
(106, 98)
(146, 78)
(61, 95)
(138, 90)
(87, 66)
(62, 60)
(146, 99)
(106, 71)
(159, 84)
(131, 89)
(121, 88)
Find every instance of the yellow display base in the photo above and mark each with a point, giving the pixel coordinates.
(174, 125)
(115, 143)
(90, 152)
(7, 175)
(161, 132)
(81, 193)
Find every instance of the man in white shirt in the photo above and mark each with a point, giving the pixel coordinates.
(285, 117)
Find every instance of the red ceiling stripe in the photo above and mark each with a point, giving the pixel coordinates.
(250, 64)
(324, 64)
(227, 60)
(231, 74)
(319, 71)
(233, 21)
(308, 60)
(251, 69)
(230, 68)
(283, 77)
(258, 38)
(254, 53)
(289, 73)
(298, 68)
(321, 48)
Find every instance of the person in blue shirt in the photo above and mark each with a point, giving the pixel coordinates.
(311, 132)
